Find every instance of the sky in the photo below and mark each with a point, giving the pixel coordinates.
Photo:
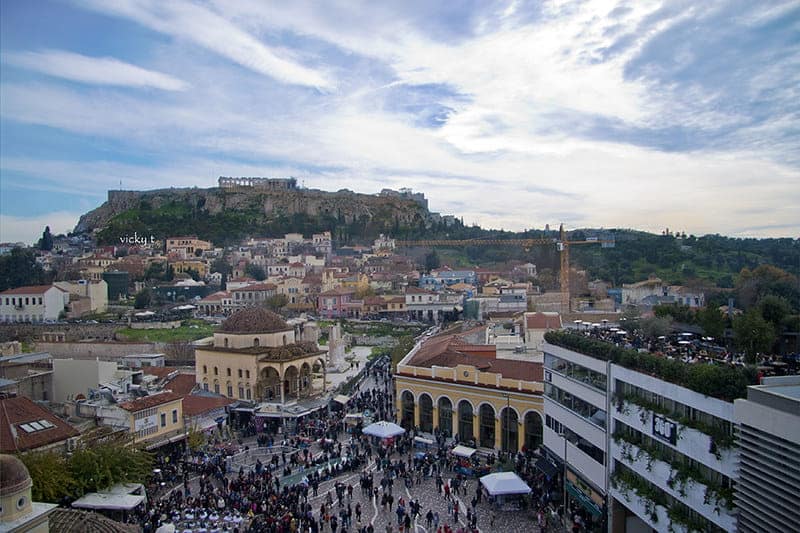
(513, 115)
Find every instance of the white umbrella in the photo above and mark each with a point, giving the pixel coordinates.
(686, 334)
(383, 429)
(504, 483)
(684, 342)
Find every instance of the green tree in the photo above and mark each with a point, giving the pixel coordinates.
(431, 261)
(46, 242)
(276, 303)
(169, 273)
(154, 271)
(656, 326)
(143, 299)
(19, 269)
(712, 322)
(51, 476)
(774, 309)
(752, 334)
(99, 466)
(256, 272)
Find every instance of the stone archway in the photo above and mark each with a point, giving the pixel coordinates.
(466, 430)
(291, 382)
(486, 424)
(305, 379)
(269, 385)
(509, 428)
(407, 410)
(425, 413)
(445, 416)
(533, 430)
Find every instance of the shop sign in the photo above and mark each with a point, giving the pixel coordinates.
(665, 429)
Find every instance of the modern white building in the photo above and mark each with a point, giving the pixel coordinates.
(36, 303)
(660, 455)
(768, 491)
(672, 456)
(575, 408)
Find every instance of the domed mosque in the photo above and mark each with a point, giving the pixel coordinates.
(257, 357)
(17, 510)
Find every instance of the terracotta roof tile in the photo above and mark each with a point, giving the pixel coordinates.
(542, 321)
(182, 384)
(194, 404)
(18, 410)
(31, 289)
(150, 401)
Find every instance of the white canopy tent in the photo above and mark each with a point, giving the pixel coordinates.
(502, 483)
(463, 451)
(383, 429)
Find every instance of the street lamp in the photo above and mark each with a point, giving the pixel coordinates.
(563, 434)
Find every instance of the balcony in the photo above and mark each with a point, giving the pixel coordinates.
(691, 493)
(637, 506)
(690, 442)
(587, 467)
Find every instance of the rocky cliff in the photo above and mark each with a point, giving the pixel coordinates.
(225, 215)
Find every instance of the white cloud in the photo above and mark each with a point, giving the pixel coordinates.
(93, 70)
(214, 32)
(29, 229)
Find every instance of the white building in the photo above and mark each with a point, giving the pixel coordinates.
(575, 405)
(662, 456)
(768, 491)
(36, 303)
(92, 294)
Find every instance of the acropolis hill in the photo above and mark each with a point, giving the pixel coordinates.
(246, 205)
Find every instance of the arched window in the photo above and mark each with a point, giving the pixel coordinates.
(205, 369)
(407, 414)
(229, 371)
(226, 342)
(216, 371)
(284, 340)
(466, 432)
(425, 413)
(533, 430)
(509, 428)
(256, 342)
(445, 416)
(487, 426)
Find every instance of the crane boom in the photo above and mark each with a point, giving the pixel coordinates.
(561, 243)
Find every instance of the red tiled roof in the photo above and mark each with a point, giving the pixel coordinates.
(31, 289)
(216, 297)
(150, 401)
(182, 384)
(194, 404)
(160, 371)
(19, 410)
(257, 287)
(542, 321)
(338, 291)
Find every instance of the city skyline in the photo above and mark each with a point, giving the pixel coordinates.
(647, 115)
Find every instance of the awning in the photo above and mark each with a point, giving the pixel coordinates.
(423, 440)
(501, 483)
(341, 398)
(164, 442)
(463, 451)
(546, 467)
(588, 503)
(103, 501)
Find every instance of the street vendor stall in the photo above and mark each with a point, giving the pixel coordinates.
(463, 451)
(504, 487)
(383, 430)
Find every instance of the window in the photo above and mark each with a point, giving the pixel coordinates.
(247, 374)
(174, 416)
(163, 420)
(205, 369)
(240, 372)
(40, 300)
(216, 371)
(205, 386)
(216, 388)
(241, 392)
(256, 343)
(229, 372)
(248, 393)
(230, 390)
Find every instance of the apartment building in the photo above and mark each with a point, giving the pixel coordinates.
(36, 303)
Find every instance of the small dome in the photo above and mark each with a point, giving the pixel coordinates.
(254, 320)
(14, 475)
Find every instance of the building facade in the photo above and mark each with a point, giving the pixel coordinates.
(155, 420)
(768, 491)
(36, 303)
(448, 385)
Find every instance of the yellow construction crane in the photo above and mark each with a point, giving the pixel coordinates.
(562, 244)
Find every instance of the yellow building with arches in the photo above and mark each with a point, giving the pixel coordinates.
(257, 357)
(464, 390)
